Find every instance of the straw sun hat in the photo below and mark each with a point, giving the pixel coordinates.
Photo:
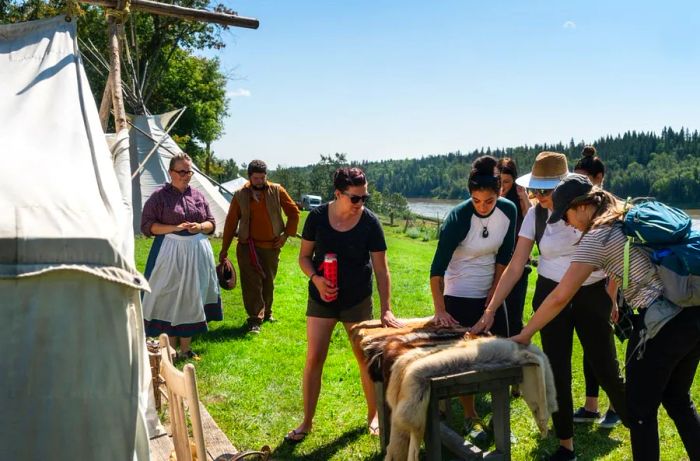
(548, 170)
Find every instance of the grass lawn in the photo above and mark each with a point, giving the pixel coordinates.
(252, 384)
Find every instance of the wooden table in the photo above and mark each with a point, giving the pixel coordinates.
(437, 433)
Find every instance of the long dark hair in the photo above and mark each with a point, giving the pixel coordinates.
(506, 165)
(483, 175)
(590, 162)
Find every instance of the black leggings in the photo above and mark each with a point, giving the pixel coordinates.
(588, 313)
(515, 302)
(664, 375)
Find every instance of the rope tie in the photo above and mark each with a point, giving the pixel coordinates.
(120, 15)
(73, 10)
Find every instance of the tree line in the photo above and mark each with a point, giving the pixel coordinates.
(638, 164)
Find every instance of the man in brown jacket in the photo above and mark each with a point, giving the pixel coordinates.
(256, 211)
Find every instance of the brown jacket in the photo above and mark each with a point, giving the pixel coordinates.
(260, 219)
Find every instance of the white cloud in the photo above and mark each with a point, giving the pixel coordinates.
(238, 92)
(569, 25)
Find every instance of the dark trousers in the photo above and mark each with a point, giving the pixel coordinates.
(468, 311)
(258, 290)
(591, 383)
(515, 302)
(588, 314)
(664, 375)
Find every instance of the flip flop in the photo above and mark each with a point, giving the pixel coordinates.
(295, 436)
(374, 430)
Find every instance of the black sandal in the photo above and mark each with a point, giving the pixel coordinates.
(295, 436)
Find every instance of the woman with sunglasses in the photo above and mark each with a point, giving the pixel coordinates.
(475, 245)
(587, 312)
(346, 228)
(180, 269)
(664, 349)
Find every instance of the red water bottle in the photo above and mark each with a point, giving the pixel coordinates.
(330, 272)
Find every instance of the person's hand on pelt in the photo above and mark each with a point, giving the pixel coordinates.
(443, 319)
(484, 324)
(389, 320)
(522, 338)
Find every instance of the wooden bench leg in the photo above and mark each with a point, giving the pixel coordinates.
(384, 415)
(433, 443)
(501, 420)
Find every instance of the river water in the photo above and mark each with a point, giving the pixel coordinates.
(436, 208)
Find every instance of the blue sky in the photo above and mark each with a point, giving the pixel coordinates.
(395, 79)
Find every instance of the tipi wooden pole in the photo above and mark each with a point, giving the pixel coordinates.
(115, 75)
(106, 103)
(164, 9)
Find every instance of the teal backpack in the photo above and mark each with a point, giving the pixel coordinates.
(666, 234)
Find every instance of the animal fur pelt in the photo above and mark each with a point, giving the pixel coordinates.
(408, 392)
(382, 345)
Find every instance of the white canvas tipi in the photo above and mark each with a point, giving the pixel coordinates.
(151, 167)
(72, 331)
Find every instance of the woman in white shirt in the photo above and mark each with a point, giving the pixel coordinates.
(587, 313)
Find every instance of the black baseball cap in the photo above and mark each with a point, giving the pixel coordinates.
(568, 189)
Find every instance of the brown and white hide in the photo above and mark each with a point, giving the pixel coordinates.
(382, 345)
(408, 393)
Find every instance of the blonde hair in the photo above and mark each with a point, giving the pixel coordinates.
(608, 208)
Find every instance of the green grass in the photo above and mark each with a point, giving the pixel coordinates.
(252, 384)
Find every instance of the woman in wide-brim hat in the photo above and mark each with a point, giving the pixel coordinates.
(587, 312)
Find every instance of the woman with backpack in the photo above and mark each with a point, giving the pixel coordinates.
(587, 311)
(592, 166)
(664, 350)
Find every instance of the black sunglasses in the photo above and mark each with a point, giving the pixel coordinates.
(355, 199)
(543, 192)
(183, 172)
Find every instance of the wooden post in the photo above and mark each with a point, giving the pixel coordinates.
(105, 104)
(115, 74)
(164, 9)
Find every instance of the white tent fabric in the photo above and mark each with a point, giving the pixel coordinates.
(154, 171)
(234, 184)
(119, 146)
(72, 330)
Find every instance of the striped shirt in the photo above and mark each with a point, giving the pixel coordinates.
(604, 248)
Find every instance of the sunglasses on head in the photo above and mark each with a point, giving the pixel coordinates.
(183, 172)
(543, 192)
(355, 199)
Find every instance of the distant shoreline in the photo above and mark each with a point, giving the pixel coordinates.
(434, 209)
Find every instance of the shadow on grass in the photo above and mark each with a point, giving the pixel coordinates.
(225, 333)
(596, 440)
(285, 451)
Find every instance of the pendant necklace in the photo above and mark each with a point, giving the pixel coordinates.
(484, 227)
